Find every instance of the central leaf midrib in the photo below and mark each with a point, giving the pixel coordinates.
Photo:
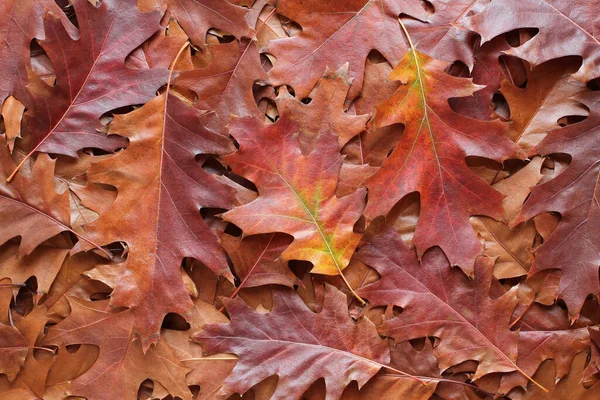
(304, 206)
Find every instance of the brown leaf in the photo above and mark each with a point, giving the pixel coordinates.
(161, 189)
(121, 365)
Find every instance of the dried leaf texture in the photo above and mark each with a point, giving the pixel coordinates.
(565, 28)
(22, 22)
(353, 351)
(225, 86)
(161, 189)
(430, 159)
(66, 116)
(30, 205)
(196, 195)
(297, 193)
(334, 33)
(441, 301)
(573, 246)
(121, 366)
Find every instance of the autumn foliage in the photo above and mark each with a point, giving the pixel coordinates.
(210, 199)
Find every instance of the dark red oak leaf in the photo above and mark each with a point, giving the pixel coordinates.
(573, 246)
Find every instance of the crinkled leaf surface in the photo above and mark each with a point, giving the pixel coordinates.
(573, 246)
(92, 78)
(300, 354)
(296, 193)
(430, 159)
(161, 189)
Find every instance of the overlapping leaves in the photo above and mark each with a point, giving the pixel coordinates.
(363, 199)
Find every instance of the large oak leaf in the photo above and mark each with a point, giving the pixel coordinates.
(297, 345)
(297, 192)
(566, 27)
(161, 189)
(430, 159)
(573, 246)
(334, 33)
(92, 78)
(438, 300)
(121, 365)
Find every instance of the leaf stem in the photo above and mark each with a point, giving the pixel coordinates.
(12, 285)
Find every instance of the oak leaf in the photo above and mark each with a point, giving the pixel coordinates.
(224, 87)
(334, 33)
(198, 16)
(30, 204)
(256, 259)
(567, 388)
(121, 365)
(548, 96)
(565, 28)
(573, 246)
(351, 351)
(431, 159)
(92, 78)
(161, 189)
(21, 23)
(439, 300)
(297, 192)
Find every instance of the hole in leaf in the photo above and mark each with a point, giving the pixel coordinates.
(265, 62)
(211, 165)
(195, 389)
(119, 250)
(570, 120)
(376, 57)
(514, 70)
(360, 225)
(69, 10)
(146, 390)
(240, 180)
(458, 69)
(233, 230)
(418, 344)
(291, 27)
(175, 322)
(299, 267)
(220, 36)
(594, 84)
(41, 64)
(519, 37)
(405, 215)
(427, 6)
(72, 348)
(501, 106)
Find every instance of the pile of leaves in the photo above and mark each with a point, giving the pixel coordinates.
(394, 199)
